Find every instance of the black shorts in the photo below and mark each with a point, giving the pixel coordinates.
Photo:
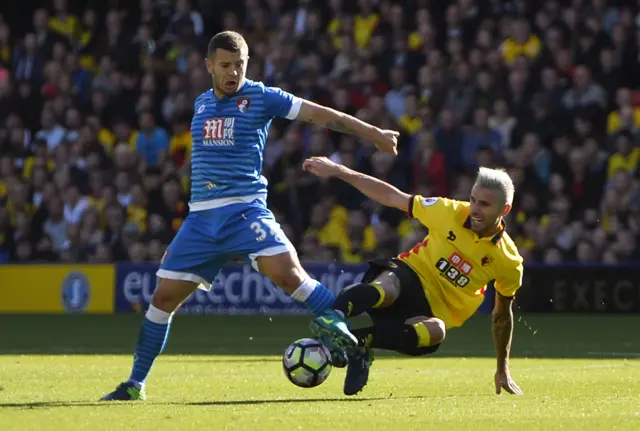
(411, 302)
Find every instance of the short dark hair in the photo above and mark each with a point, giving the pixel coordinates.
(228, 41)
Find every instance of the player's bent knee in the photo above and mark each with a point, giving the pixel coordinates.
(171, 293)
(430, 330)
(388, 285)
(437, 330)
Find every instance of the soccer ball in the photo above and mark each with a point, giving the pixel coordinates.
(307, 363)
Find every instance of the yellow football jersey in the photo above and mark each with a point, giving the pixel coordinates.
(454, 264)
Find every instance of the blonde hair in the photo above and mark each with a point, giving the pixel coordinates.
(497, 180)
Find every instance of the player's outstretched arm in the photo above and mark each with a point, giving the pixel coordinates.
(385, 140)
(502, 328)
(373, 188)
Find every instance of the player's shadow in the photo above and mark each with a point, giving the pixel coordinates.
(54, 404)
(278, 401)
(322, 400)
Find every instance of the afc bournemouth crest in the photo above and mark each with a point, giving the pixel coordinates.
(243, 104)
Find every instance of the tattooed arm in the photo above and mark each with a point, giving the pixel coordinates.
(310, 112)
(502, 328)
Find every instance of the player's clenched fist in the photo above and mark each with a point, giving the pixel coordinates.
(388, 141)
(321, 166)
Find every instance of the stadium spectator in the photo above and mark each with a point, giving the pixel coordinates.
(480, 136)
(96, 102)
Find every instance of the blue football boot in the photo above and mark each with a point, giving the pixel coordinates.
(360, 361)
(126, 391)
(333, 330)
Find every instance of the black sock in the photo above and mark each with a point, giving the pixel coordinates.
(357, 299)
(398, 337)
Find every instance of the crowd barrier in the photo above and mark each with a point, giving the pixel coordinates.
(103, 289)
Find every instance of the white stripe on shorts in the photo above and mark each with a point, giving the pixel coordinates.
(184, 276)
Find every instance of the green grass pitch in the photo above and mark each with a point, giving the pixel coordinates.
(224, 373)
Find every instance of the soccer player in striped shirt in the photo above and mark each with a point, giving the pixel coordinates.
(228, 214)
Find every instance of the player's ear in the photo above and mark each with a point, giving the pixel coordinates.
(507, 210)
(209, 65)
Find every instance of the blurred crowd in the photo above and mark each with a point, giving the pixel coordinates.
(96, 103)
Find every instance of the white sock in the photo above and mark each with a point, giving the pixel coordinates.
(305, 290)
(138, 385)
(158, 316)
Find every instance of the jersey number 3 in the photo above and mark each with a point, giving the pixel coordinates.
(261, 233)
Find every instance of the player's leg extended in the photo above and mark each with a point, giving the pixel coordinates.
(152, 338)
(190, 259)
(393, 297)
(379, 290)
(261, 237)
(285, 270)
(359, 298)
(416, 336)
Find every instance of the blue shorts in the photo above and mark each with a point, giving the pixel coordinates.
(208, 239)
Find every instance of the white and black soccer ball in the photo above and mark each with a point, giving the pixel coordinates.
(307, 363)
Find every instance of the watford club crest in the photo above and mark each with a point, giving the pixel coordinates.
(243, 104)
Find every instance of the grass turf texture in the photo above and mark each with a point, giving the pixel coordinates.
(224, 373)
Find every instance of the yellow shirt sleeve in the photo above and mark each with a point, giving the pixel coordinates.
(512, 277)
(431, 210)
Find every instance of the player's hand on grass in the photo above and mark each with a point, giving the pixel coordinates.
(504, 381)
(321, 166)
(388, 141)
